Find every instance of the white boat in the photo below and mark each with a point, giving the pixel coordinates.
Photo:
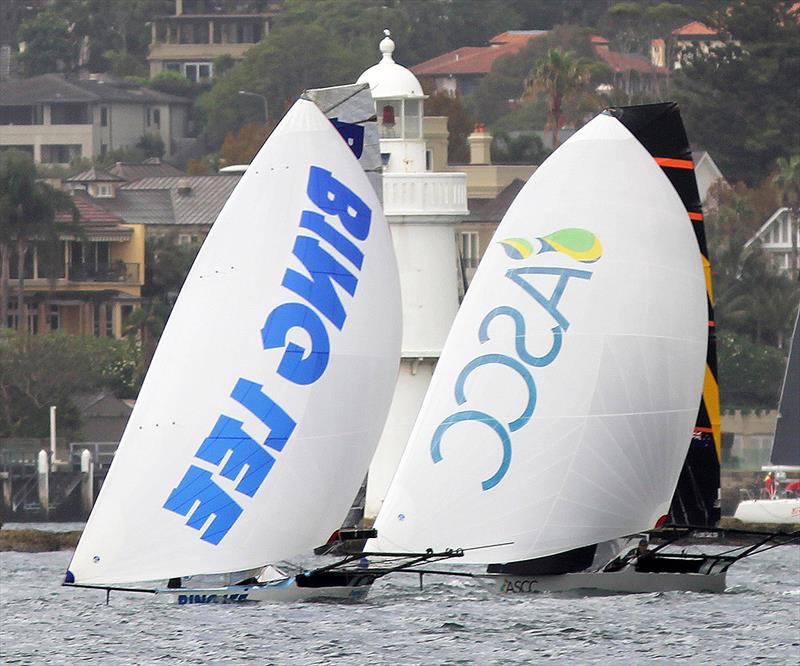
(785, 449)
(270, 386)
(561, 412)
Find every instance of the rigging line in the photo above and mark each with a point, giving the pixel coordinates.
(492, 545)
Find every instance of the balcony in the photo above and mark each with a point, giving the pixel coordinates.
(425, 194)
(117, 271)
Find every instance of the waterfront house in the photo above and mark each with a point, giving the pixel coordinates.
(56, 119)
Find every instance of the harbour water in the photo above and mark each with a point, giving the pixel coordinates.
(450, 621)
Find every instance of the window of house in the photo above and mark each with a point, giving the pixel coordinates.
(54, 317)
(49, 261)
(104, 190)
(69, 114)
(172, 66)
(103, 149)
(21, 115)
(103, 116)
(60, 153)
(184, 239)
(25, 149)
(470, 248)
(198, 71)
(157, 117)
(13, 318)
(27, 264)
(103, 253)
(125, 312)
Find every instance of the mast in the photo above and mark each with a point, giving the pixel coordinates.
(659, 128)
(786, 447)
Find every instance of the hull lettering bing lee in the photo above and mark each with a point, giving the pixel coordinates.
(298, 365)
(550, 304)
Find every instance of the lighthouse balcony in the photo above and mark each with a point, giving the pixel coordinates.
(425, 194)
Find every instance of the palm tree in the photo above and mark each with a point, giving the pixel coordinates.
(27, 213)
(787, 180)
(561, 76)
(145, 326)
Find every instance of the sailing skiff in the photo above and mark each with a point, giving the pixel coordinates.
(270, 385)
(577, 372)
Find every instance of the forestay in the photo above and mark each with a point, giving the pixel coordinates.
(271, 383)
(560, 412)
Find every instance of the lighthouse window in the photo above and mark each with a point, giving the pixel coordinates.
(413, 118)
(390, 119)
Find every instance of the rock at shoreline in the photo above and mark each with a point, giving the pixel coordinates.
(37, 541)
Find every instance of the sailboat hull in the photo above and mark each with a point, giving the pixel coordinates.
(773, 511)
(281, 591)
(626, 581)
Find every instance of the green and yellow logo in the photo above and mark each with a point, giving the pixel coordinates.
(579, 244)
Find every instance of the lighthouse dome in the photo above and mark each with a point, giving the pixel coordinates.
(388, 79)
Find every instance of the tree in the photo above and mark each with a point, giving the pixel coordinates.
(522, 149)
(279, 68)
(117, 34)
(739, 101)
(459, 124)
(752, 297)
(50, 45)
(750, 374)
(787, 180)
(662, 20)
(499, 99)
(28, 214)
(241, 148)
(44, 370)
(562, 77)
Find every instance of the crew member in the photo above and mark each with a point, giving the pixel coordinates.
(769, 484)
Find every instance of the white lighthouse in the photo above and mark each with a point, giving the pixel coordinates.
(422, 208)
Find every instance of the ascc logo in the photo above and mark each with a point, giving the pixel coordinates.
(577, 244)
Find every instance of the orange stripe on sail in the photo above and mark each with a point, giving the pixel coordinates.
(696, 216)
(698, 429)
(675, 164)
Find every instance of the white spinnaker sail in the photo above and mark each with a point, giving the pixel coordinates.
(560, 412)
(254, 344)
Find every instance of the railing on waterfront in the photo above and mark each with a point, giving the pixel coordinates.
(102, 454)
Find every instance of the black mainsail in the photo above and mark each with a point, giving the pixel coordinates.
(659, 128)
(786, 447)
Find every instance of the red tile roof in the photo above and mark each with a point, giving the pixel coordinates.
(695, 28)
(477, 59)
(516, 36)
(624, 62)
(90, 212)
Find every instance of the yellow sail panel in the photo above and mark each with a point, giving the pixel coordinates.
(711, 399)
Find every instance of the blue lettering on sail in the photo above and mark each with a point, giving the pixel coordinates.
(298, 365)
(550, 304)
(197, 486)
(337, 199)
(240, 456)
(319, 290)
(478, 417)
